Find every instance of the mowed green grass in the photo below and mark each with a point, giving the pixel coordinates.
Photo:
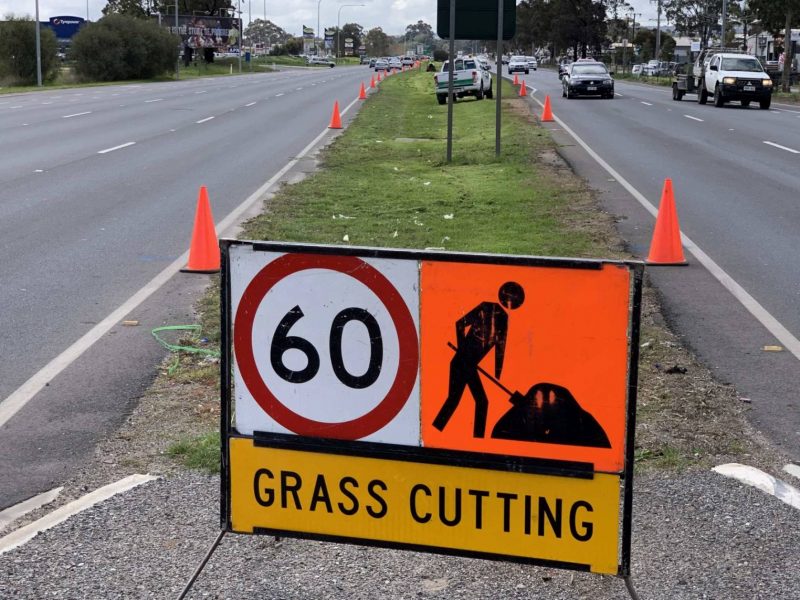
(385, 182)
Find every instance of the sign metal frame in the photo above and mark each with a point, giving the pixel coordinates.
(424, 454)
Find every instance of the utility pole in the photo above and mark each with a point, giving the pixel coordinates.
(658, 31)
(724, 19)
(177, 32)
(38, 49)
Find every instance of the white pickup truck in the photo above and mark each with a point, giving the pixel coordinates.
(471, 77)
(728, 76)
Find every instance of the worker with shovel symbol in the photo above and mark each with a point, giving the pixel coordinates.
(481, 329)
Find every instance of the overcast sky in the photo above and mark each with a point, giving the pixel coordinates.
(391, 15)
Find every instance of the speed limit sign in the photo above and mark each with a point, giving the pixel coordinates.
(325, 345)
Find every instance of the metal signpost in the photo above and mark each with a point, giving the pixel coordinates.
(372, 408)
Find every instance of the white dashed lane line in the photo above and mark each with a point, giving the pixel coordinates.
(693, 118)
(646, 103)
(80, 114)
(153, 100)
(204, 120)
(762, 481)
(251, 104)
(278, 95)
(107, 150)
(774, 145)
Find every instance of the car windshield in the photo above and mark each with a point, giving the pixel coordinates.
(518, 58)
(741, 64)
(589, 70)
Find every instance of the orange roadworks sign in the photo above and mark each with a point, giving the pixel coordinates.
(526, 361)
(477, 512)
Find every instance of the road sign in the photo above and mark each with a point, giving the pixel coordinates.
(326, 346)
(468, 404)
(476, 19)
(481, 512)
(554, 369)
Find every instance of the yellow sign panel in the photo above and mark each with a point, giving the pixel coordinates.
(451, 508)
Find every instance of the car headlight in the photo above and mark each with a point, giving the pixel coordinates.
(729, 80)
(766, 82)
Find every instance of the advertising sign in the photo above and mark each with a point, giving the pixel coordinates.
(308, 32)
(455, 403)
(206, 32)
(65, 27)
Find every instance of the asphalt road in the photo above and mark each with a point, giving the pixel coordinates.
(98, 188)
(735, 175)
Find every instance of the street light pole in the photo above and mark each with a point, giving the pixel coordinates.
(658, 32)
(338, 20)
(316, 33)
(241, 33)
(38, 49)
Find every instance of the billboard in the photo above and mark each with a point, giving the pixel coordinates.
(65, 27)
(206, 32)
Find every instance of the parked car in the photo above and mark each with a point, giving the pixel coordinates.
(636, 70)
(470, 78)
(587, 79)
(652, 68)
(320, 60)
(363, 60)
(518, 64)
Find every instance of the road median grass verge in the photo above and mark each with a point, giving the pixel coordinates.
(384, 182)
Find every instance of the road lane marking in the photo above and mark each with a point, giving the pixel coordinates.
(793, 470)
(107, 150)
(279, 95)
(80, 114)
(204, 120)
(44, 103)
(155, 100)
(762, 481)
(201, 92)
(646, 103)
(693, 118)
(251, 104)
(618, 94)
(773, 144)
(24, 393)
(12, 513)
(24, 534)
(775, 327)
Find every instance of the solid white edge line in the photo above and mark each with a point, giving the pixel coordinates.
(774, 145)
(12, 513)
(762, 481)
(789, 341)
(107, 150)
(22, 395)
(24, 534)
(793, 470)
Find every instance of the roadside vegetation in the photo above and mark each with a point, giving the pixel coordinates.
(18, 52)
(385, 182)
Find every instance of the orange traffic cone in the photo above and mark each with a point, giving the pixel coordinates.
(336, 119)
(666, 247)
(372, 82)
(362, 93)
(379, 76)
(547, 113)
(522, 91)
(204, 249)
(516, 79)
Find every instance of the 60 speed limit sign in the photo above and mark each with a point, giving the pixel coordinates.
(325, 345)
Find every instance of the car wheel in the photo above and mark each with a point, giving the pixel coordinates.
(489, 93)
(764, 104)
(702, 95)
(526, 71)
(563, 92)
(745, 103)
(441, 98)
(719, 101)
(479, 93)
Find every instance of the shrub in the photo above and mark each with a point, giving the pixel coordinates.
(440, 55)
(18, 51)
(119, 47)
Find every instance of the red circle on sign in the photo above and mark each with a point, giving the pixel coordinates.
(356, 268)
